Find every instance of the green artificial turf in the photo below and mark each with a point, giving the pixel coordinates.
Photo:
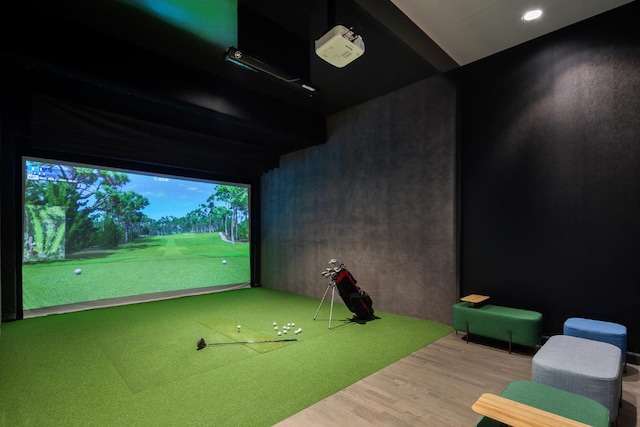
(139, 365)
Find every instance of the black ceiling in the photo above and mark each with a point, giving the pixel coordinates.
(110, 47)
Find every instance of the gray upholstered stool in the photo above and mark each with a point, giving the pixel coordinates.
(598, 330)
(583, 366)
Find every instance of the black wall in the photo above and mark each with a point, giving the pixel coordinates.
(550, 181)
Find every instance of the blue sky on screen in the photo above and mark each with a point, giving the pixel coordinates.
(169, 196)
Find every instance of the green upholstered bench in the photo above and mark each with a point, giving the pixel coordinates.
(550, 399)
(514, 325)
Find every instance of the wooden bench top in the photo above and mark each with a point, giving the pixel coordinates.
(474, 299)
(518, 414)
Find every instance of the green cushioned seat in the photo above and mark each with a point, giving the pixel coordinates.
(551, 399)
(514, 325)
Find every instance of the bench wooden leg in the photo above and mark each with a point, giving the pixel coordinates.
(467, 332)
(509, 342)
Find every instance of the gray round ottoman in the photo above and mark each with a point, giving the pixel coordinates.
(583, 366)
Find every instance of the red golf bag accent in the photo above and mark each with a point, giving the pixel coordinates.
(357, 299)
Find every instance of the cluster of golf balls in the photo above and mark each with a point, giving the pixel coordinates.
(285, 328)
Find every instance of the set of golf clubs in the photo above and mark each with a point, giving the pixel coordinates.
(332, 272)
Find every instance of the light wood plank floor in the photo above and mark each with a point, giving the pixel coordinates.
(436, 386)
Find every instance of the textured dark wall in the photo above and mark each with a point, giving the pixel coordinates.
(378, 196)
(550, 158)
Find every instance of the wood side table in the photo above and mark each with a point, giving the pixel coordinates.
(475, 299)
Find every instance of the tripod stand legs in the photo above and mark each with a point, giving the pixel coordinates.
(333, 290)
(321, 301)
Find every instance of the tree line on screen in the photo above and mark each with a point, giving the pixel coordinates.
(89, 208)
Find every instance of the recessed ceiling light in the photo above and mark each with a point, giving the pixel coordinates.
(532, 14)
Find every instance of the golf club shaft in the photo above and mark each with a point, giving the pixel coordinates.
(253, 342)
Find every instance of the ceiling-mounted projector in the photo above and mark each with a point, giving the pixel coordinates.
(340, 46)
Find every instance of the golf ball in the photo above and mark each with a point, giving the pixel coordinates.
(78, 271)
(293, 324)
(275, 328)
(284, 332)
(239, 327)
(279, 333)
(224, 261)
(274, 323)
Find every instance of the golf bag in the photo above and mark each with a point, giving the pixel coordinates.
(357, 299)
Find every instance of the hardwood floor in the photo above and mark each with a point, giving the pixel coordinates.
(436, 386)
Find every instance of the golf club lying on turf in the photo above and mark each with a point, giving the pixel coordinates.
(202, 344)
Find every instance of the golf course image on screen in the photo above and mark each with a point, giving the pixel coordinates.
(94, 234)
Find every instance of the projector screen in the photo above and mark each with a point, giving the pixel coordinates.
(93, 234)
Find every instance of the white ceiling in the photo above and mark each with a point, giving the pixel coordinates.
(469, 30)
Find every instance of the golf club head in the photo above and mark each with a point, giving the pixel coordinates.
(333, 261)
(201, 344)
